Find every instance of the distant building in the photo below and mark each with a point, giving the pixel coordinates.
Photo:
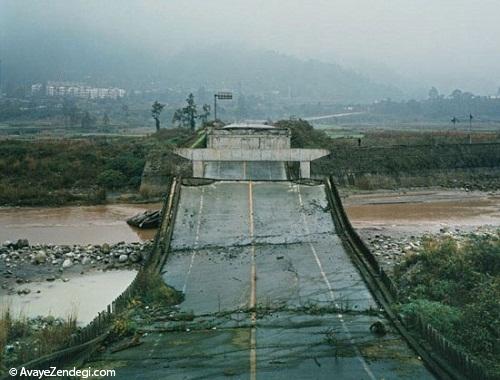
(36, 89)
(78, 90)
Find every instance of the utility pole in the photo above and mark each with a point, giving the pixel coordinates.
(222, 95)
(0, 78)
(470, 127)
(215, 107)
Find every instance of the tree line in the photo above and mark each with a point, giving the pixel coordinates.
(183, 117)
(456, 107)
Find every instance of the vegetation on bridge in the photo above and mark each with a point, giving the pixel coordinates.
(456, 288)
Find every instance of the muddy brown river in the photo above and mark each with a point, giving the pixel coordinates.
(404, 213)
(77, 297)
(74, 224)
(418, 212)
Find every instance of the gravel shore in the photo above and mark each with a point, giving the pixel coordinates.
(22, 262)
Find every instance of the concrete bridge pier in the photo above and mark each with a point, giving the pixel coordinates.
(252, 146)
(305, 169)
(198, 171)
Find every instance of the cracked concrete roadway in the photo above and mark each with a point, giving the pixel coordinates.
(274, 294)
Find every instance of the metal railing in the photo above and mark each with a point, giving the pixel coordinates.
(463, 365)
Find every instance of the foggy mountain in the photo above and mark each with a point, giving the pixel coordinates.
(261, 72)
(137, 43)
(252, 71)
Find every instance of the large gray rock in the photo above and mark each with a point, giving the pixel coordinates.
(134, 257)
(40, 257)
(123, 258)
(22, 243)
(24, 291)
(68, 263)
(106, 249)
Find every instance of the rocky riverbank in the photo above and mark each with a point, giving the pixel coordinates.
(22, 262)
(392, 249)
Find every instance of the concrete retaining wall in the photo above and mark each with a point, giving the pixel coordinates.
(248, 138)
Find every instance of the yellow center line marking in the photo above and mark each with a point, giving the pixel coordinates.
(331, 291)
(253, 286)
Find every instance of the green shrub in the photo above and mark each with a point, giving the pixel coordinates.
(111, 179)
(304, 135)
(456, 288)
(443, 317)
(33, 171)
(154, 290)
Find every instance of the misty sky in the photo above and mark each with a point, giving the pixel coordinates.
(449, 43)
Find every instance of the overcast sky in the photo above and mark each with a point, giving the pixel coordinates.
(449, 43)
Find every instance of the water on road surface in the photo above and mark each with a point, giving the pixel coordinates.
(262, 262)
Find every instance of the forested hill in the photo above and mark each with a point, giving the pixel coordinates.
(258, 72)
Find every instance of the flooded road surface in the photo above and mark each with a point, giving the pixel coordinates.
(76, 297)
(74, 224)
(422, 212)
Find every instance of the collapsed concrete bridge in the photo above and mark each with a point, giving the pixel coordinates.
(257, 146)
(267, 280)
(272, 288)
(274, 280)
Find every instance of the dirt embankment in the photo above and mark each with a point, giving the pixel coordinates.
(475, 166)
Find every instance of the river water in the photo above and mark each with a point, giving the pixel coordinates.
(81, 296)
(393, 212)
(419, 212)
(74, 224)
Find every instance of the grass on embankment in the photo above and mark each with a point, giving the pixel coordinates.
(65, 171)
(456, 288)
(154, 296)
(23, 339)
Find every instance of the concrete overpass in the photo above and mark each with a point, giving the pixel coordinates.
(247, 144)
(199, 157)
